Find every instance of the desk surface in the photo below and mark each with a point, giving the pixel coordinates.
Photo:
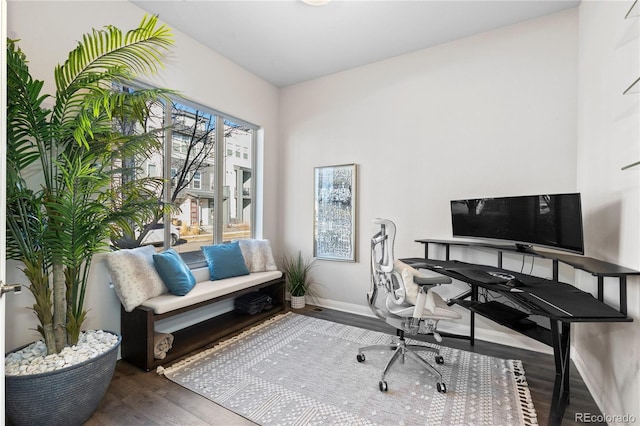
(588, 264)
(552, 299)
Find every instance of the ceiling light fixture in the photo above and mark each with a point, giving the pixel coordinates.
(316, 2)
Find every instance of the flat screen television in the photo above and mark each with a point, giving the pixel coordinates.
(550, 220)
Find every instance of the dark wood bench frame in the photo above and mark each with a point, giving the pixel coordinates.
(138, 326)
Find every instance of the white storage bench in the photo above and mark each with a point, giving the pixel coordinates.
(138, 326)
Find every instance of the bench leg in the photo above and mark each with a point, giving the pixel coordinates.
(137, 328)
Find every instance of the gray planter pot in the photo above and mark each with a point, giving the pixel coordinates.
(68, 396)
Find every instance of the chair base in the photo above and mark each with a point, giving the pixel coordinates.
(401, 350)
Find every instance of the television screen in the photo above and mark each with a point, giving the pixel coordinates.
(552, 220)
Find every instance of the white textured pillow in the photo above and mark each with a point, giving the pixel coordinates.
(407, 272)
(134, 276)
(257, 255)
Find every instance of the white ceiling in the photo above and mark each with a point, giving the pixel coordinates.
(287, 42)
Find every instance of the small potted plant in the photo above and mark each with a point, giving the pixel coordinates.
(297, 273)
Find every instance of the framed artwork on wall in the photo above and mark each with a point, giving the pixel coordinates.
(334, 216)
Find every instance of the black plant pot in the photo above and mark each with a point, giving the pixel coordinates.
(68, 396)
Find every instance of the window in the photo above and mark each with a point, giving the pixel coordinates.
(238, 183)
(197, 179)
(220, 211)
(198, 147)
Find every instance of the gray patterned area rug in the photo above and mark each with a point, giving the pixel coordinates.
(299, 370)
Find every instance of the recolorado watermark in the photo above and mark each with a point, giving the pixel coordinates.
(605, 418)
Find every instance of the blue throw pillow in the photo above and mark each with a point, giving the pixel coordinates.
(175, 274)
(225, 260)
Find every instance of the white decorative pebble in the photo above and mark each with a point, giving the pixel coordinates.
(33, 359)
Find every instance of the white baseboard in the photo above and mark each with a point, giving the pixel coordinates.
(501, 335)
(343, 307)
(597, 392)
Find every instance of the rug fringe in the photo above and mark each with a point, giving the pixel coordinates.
(524, 395)
(182, 363)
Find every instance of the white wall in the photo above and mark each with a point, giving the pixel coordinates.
(489, 115)
(48, 30)
(608, 355)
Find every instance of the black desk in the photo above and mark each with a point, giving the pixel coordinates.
(595, 267)
(562, 304)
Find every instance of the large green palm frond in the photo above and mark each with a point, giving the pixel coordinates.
(28, 129)
(104, 56)
(134, 212)
(27, 139)
(25, 223)
(140, 104)
(104, 109)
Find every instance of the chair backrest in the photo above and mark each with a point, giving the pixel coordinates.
(383, 275)
(382, 245)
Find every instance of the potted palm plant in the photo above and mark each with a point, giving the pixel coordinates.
(297, 273)
(58, 221)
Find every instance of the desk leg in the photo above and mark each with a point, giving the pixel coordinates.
(600, 288)
(561, 354)
(472, 320)
(623, 294)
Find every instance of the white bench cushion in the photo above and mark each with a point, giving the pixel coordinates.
(205, 290)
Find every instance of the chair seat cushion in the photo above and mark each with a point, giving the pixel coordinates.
(207, 290)
(435, 308)
(439, 308)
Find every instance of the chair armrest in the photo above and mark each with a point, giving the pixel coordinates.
(422, 281)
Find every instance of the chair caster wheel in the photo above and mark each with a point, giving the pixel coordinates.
(442, 388)
(360, 357)
(439, 359)
(383, 386)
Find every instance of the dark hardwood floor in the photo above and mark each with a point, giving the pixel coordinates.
(136, 397)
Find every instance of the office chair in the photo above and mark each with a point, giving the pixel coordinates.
(409, 304)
